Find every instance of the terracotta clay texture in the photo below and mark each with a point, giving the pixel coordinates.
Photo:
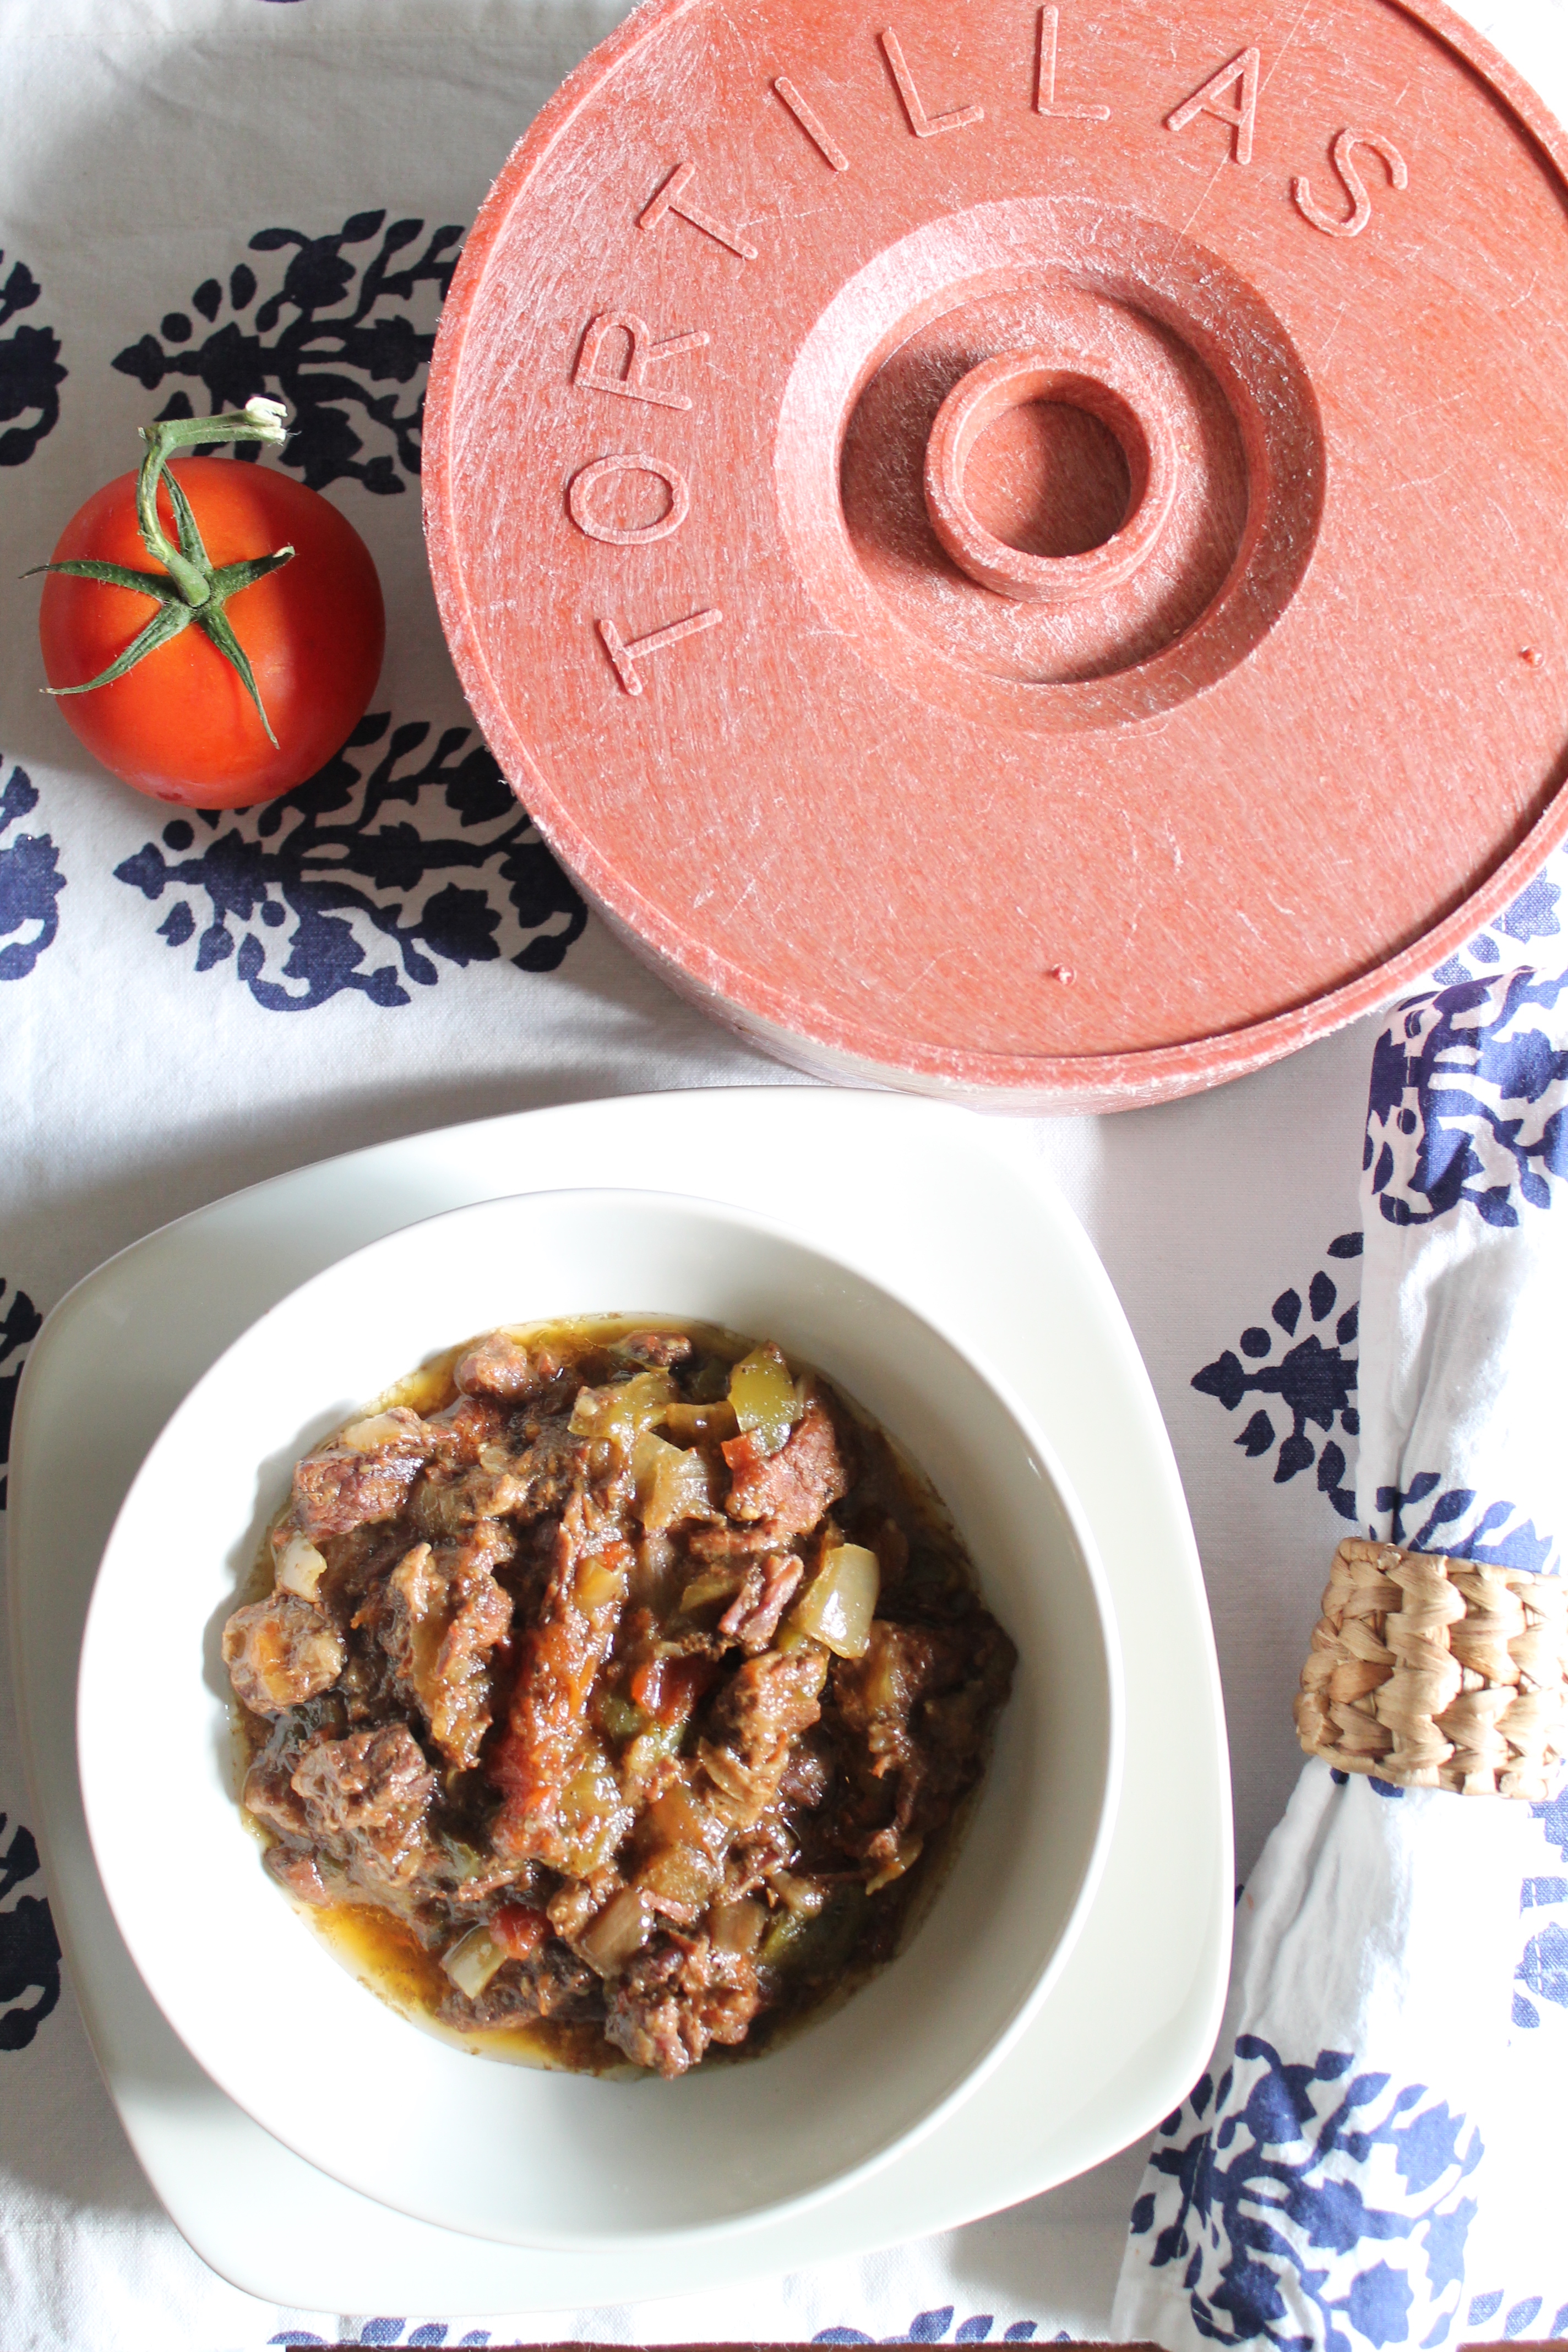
(1023, 551)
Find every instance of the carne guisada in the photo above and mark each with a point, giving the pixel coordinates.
(627, 1682)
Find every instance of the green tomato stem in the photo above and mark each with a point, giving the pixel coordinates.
(199, 592)
(259, 420)
(166, 623)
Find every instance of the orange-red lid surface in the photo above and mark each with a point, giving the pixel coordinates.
(1022, 552)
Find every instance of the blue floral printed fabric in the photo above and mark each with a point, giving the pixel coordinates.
(30, 881)
(1375, 2154)
(398, 860)
(30, 371)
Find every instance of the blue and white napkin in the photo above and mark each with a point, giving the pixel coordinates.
(1378, 2154)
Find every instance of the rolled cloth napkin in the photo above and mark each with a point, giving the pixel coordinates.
(1378, 2151)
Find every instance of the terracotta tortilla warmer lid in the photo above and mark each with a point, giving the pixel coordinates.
(1016, 551)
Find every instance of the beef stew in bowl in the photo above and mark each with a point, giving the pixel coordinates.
(615, 1694)
(541, 2156)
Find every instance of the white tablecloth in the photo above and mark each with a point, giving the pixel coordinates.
(213, 198)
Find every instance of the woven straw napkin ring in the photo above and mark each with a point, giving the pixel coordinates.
(1438, 1673)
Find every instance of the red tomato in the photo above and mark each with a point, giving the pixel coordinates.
(181, 725)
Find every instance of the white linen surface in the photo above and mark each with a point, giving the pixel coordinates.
(188, 1007)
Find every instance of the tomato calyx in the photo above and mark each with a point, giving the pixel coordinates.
(190, 588)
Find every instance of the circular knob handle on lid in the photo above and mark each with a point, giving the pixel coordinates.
(1141, 431)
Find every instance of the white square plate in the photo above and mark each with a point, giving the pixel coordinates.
(935, 1203)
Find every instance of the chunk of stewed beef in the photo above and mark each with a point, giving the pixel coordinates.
(793, 1488)
(300, 1875)
(501, 1366)
(281, 1651)
(550, 1984)
(755, 1720)
(752, 1617)
(922, 1695)
(458, 1435)
(269, 1794)
(340, 1488)
(527, 1472)
(678, 1995)
(439, 1616)
(918, 1705)
(366, 1798)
